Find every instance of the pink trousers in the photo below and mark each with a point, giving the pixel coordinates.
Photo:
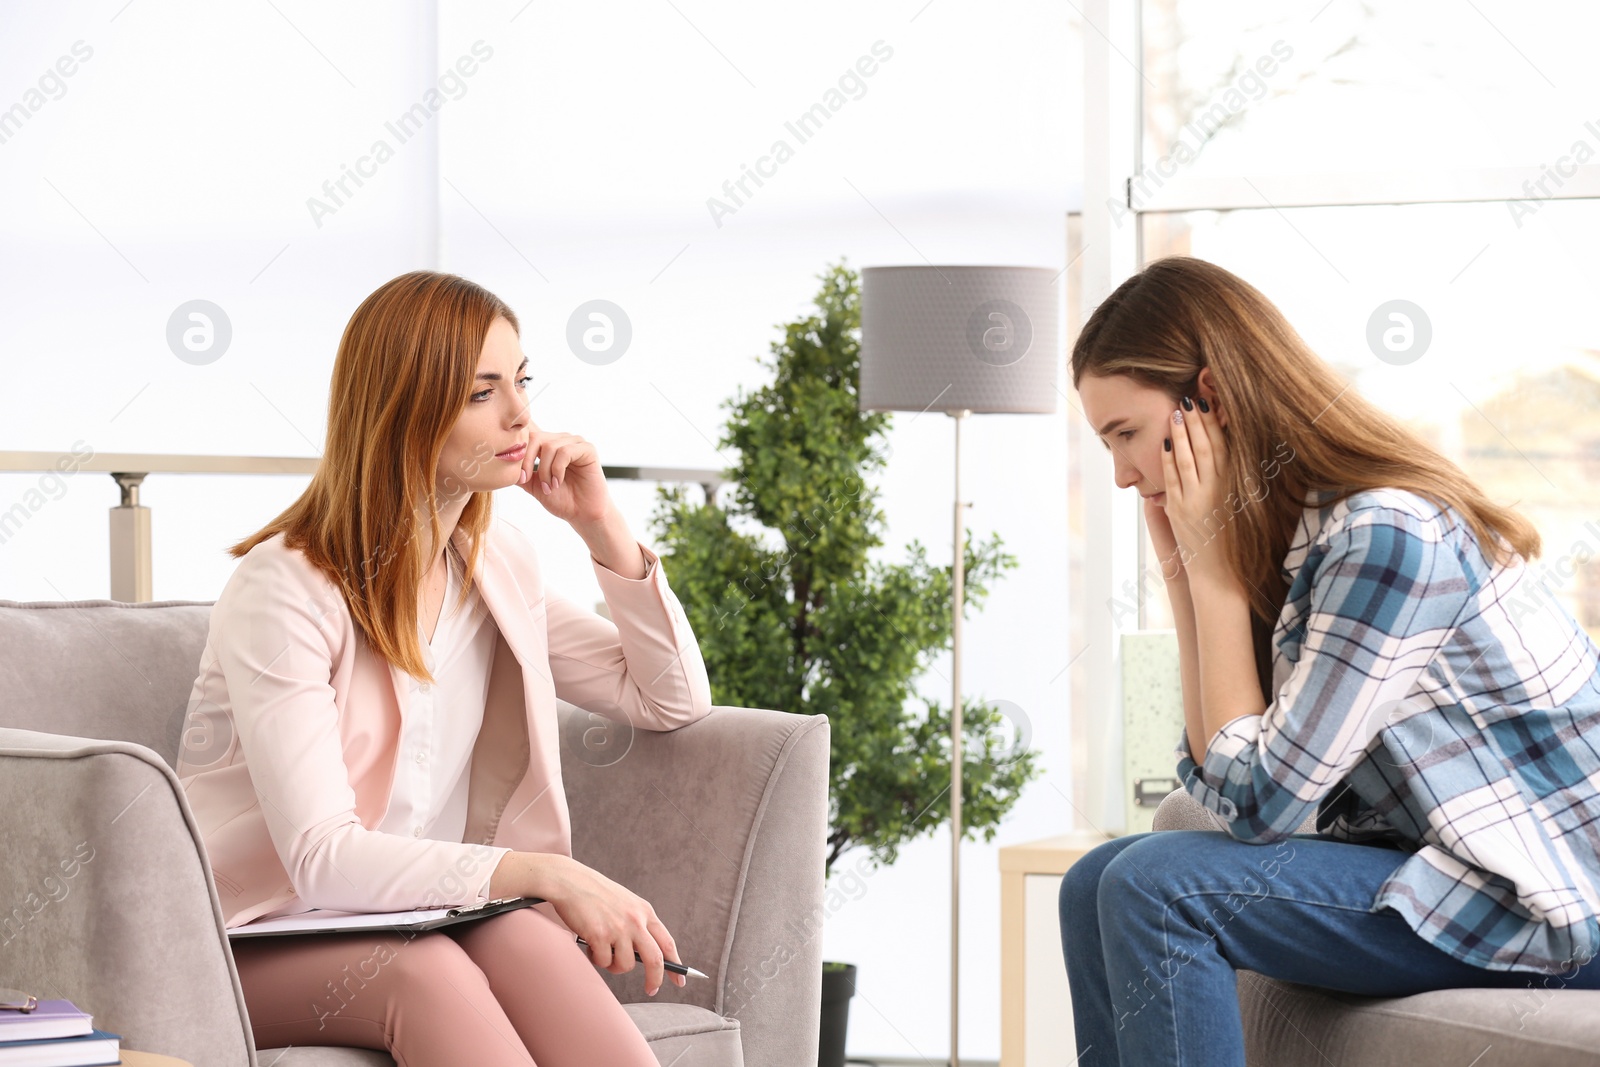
(512, 990)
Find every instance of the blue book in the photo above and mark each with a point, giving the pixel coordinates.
(94, 1049)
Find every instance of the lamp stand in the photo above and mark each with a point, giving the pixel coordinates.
(957, 581)
(964, 330)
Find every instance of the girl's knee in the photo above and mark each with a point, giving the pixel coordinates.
(1153, 868)
(1080, 886)
(1143, 865)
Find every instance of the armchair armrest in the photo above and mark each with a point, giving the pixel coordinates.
(108, 901)
(1180, 811)
(721, 826)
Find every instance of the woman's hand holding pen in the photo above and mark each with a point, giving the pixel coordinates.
(615, 922)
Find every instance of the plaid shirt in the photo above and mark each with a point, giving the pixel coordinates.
(1431, 700)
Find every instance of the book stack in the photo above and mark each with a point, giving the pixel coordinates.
(55, 1034)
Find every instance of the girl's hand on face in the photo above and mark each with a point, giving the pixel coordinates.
(562, 472)
(1194, 463)
(1168, 555)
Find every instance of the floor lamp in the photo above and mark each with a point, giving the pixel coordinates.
(961, 340)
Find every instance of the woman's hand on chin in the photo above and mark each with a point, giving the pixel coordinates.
(562, 472)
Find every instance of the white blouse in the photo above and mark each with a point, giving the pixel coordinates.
(429, 795)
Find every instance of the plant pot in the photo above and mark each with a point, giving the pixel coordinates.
(838, 986)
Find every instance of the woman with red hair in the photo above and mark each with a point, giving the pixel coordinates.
(385, 663)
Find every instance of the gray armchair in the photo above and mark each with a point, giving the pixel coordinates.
(110, 902)
(1292, 1025)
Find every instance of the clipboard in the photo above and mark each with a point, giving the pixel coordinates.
(346, 922)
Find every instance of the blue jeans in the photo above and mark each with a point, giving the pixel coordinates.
(1154, 926)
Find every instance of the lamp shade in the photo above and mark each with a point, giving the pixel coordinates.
(979, 339)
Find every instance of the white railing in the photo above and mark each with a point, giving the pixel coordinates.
(130, 543)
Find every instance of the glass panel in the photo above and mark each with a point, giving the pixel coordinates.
(1255, 87)
(1509, 385)
(170, 198)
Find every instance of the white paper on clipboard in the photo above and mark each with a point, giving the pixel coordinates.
(326, 921)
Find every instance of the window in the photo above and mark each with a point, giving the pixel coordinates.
(1337, 155)
(1342, 156)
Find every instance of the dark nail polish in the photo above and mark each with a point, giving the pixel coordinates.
(1166, 442)
(1203, 405)
(1186, 405)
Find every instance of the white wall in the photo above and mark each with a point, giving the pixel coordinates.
(177, 162)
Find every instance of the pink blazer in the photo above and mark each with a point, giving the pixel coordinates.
(301, 728)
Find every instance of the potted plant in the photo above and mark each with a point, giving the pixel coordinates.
(792, 614)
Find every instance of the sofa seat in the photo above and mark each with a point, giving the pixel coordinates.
(1289, 1025)
(115, 905)
(679, 1034)
(1292, 1025)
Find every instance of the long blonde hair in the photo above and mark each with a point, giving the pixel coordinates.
(359, 518)
(1180, 314)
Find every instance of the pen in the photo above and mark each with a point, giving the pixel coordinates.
(675, 968)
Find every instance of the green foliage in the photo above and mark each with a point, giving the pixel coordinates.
(791, 614)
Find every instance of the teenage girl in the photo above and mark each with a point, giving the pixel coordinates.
(383, 668)
(1360, 640)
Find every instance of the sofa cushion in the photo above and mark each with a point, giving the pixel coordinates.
(680, 1034)
(116, 671)
(1289, 1025)
(322, 1056)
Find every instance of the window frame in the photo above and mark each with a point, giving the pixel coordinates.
(1103, 252)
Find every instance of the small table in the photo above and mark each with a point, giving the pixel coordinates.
(131, 1058)
(1035, 1004)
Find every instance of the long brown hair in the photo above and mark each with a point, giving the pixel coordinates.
(359, 518)
(1180, 314)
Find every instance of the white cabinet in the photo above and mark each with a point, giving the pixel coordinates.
(1035, 1005)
